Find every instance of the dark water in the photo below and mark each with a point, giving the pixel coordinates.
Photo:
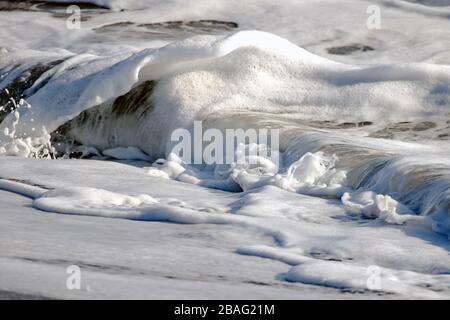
(432, 3)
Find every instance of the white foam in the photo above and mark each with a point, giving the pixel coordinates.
(347, 276)
(373, 205)
(254, 62)
(92, 201)
(22, 188)
(256, 72)
(27, 146)
(294, 229)
(253, 73)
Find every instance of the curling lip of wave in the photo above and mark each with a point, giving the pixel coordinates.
(249, 71)
(117, 78)
(413, 88)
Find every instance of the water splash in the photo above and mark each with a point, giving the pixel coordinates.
(28, 147)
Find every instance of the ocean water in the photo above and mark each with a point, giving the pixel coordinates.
(363, 175)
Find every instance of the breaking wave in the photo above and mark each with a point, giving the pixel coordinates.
(361, 133)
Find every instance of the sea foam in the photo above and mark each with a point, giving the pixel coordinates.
(261, 80)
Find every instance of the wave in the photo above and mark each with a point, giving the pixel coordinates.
(329, 115)
(248, 71)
